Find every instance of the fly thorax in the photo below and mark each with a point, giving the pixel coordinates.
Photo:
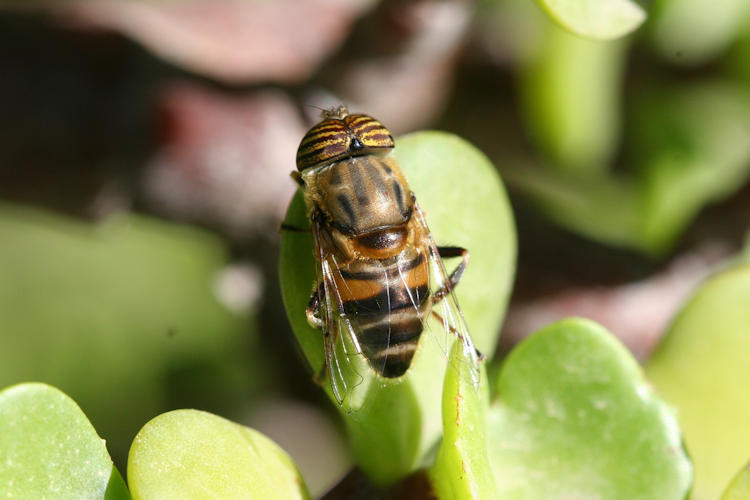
(362, 194)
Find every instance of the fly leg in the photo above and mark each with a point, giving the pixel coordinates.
(312, 311)
(292, 229)
(460, 337)
(453, 279)
(297, 177)
(313, 308)
(455, 276)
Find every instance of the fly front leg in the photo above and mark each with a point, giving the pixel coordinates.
(292, 229)
(313, 308)
(455, 276)
(313, 318)
(297, 178)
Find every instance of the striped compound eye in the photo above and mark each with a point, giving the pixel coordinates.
(370, 133)
(340, 137)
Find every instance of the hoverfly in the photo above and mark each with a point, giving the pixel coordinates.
(380, 274)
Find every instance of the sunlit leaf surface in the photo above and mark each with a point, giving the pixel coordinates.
(601, 19)
(739, 488)
(462, 469)
(49, 449)
(194, 454)
(702, 368)
(575, 418)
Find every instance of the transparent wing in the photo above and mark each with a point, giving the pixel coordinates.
(357, 353)
(445, 309)
(345, 363)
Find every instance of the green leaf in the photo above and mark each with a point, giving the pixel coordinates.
(603, 208)
(462, 468)
(702, 368)
(124, 303)
(466, 205)
(739, 488)
(194, 454)
(691, 150)
(736, 64)
(691, 32)
(571, 92)
(49, 449)
(576, 418)
(601, 19)
(116, 489)
(693, 141)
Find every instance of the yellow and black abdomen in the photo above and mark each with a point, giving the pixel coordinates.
(386, 302)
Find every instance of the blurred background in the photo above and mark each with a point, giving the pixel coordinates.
(145, 149)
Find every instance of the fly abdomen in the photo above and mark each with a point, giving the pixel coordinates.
(389, 300)
(389, 342)
(389, 319)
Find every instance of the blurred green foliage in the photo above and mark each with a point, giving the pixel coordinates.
(571, 89)
(692, 32)
(702, 368)
(121, 316)
(599, 19)
(629, 147)
(739, 488)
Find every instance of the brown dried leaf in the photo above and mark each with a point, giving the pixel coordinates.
(231, 40)
(225, 160)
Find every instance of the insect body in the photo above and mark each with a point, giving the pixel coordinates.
(380, 273)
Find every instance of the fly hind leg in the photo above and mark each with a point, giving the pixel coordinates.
(330, 364)
(453, 279)
(455, 276)
(297, 177)
(458, 335)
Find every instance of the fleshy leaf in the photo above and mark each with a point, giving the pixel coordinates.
(600, 19)
(465, 205)
(693, 146)
(183, 452)
(462, 469)
(576, 418)
(691, 32)
(49, 449)
(571, 92)
(691, 151)
(739, 488)
(702, 368)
